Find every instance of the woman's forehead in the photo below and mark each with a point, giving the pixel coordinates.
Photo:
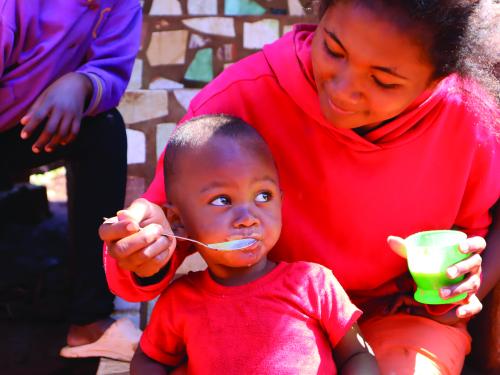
(374, 38)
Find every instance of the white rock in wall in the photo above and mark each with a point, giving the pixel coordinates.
(222, 26)
(257, 34)
(135, 82)
(167, 47)
(208, 7)
(295, 8)
(163, 133)
(142, 105)
(136, 147)
(164, 84)
(166, 8)
(185, 96)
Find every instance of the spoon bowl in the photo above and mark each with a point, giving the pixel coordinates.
(233, 245)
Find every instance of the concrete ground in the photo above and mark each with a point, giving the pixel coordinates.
(33, 299)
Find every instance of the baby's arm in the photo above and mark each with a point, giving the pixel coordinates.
(338, 316)
(353, 355)
(142, 364)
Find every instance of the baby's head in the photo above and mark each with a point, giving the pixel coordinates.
(221, 185)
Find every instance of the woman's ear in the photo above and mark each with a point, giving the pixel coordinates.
(174, 219)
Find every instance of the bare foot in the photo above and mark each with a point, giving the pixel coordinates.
(86, 334)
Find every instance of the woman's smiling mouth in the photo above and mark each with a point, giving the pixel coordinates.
(338, 109)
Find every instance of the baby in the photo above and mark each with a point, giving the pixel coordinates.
(245, 313)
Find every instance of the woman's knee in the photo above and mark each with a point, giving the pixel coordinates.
(406, 344)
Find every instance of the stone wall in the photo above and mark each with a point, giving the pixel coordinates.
(185, 44)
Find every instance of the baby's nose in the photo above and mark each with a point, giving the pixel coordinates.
(245, 218)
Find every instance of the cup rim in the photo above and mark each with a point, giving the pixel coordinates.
(461, 236)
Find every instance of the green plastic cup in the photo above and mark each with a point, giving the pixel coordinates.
(429, 254)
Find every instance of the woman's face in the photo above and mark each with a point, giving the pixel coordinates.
(366, 70)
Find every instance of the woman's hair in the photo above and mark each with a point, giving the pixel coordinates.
(199, 130)
(460, 36)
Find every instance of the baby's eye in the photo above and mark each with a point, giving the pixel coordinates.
(220, 201)
(263, 197)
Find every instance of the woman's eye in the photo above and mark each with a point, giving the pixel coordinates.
(384, 85)
(220, 201)
(263, 197)
(332, 53)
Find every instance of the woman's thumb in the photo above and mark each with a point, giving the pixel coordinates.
(397, 244)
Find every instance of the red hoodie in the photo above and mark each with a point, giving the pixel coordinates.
(435, 166)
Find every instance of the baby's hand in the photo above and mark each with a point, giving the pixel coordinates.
(61, 105)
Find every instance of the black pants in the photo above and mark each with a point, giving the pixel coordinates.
(96, 177)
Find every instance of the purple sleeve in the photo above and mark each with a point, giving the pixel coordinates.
(6, 39)
(111, 55)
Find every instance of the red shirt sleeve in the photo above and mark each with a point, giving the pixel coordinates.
(335, 310)
(161, 340)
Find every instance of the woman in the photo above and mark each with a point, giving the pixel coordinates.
(374, 134)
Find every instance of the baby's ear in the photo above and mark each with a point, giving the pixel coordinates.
(174, 219)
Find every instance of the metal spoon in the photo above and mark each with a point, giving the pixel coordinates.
(220, 246)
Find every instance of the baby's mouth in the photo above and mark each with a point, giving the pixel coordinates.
(255, 236)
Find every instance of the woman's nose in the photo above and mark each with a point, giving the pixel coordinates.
(346, 88)
(244, 217)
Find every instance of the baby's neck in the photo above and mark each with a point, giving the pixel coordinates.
(242, 276)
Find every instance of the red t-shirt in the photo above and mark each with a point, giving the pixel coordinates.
(286, 322)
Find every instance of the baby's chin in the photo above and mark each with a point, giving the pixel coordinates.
(244, 258)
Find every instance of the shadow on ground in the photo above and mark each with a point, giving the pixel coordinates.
(33, 298)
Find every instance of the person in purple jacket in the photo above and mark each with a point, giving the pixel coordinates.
(63, 67)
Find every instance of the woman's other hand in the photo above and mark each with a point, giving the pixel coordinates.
(61, 105)
(134, 238)
(470, 267)
(407, 304)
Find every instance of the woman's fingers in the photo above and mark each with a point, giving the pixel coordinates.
(62, 133)
(36, 114)
(124, 247)
(144, 252)
(152, 259)
(134, 238)
(469, 265)
(397, 244)
(73, 131)
(142, 256)
(57, 135)
(473, 245)
(471, 308)
(114, 230)
(138, 211)
(470, 286)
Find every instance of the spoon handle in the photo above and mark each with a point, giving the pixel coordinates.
(114, 220)
(183, 238)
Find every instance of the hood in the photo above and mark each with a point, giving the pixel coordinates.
(290, 61)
